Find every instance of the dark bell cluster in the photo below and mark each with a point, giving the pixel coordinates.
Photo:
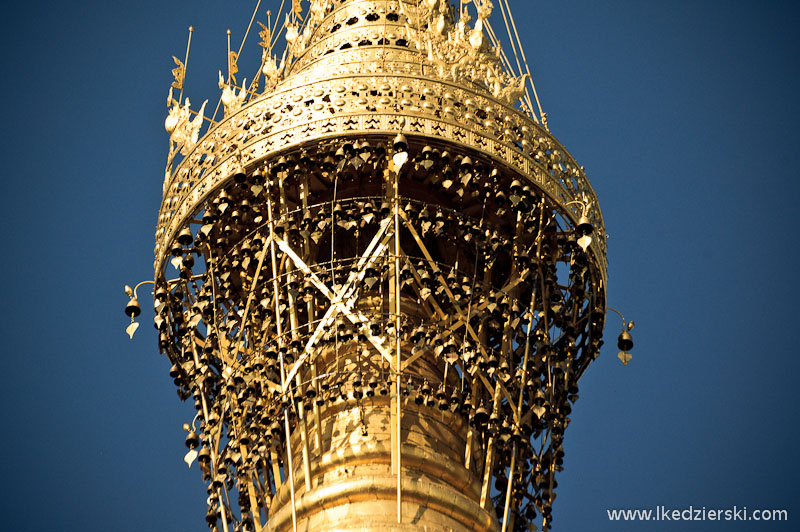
(276, 307)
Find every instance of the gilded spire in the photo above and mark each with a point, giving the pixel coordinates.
(378, 277)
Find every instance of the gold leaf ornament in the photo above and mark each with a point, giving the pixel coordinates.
(265, 36)
(291, 33)
(130, 329)
(190, 457)
(178, 73)
(584, 242)
(234, 66)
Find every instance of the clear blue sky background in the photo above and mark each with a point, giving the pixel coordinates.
(685, 114)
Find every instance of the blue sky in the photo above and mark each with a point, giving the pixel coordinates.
(685, 115)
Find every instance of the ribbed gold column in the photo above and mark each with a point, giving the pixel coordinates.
(353, 487)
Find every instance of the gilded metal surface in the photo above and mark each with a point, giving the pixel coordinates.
(379, 280)
(355, 106)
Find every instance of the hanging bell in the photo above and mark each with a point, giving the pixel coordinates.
(185, 237)
(362, 147)
(192, 441)
(224, 199)
(530, 512)
(211, 517)
(539, 397)
(481, 415)
(163, 341)
(455, 398)
(505, 371)
(176, 250)
(494, 420)
(275, 429)
(440, 392)
(400, 143)
(625, 341)
(132, 309)
(209, 217)
(204, 456)
(161, 294)
(426, 389)
(584, 226)
(257, 177)
(419, 398)
(239, 175)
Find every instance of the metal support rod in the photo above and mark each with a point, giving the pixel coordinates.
(393, 297)
(304, 188)
(251, 495)
(399, 453)
(223, 511)
(186, 63)
(397, 340)
(489, 465)
(468, 448)
(315, 411)
(247, 32)
(295, 336)
(304, 440)
(253, 288)
(503, 528)
(211, 448)
(470, 432)
(276, 468)
(290, 467)
(276, 289)
(260, 489)
(228, 80)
